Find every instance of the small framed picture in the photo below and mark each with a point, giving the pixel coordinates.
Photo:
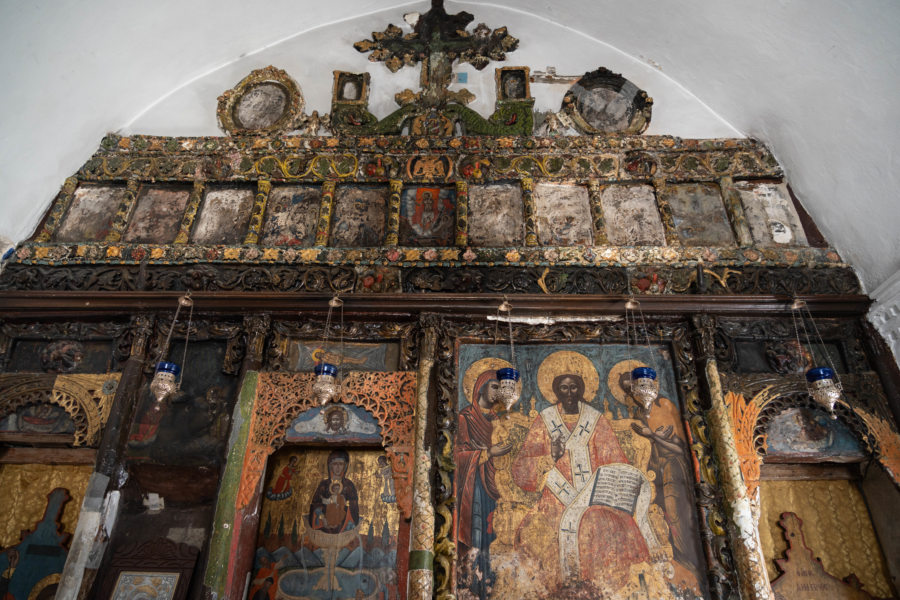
(156, 584)
(513, 83)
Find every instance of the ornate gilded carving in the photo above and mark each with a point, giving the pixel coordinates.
(263, 187)
(190, 213)
(326, 207)
(735, 211)
(393, 219)
(86, 398)
(598, 223)
(665, 213)
(60, 205)
(462, 213)
(281, 397)
(123, 213)
(265, 101)
(584, 106)
(531, 238)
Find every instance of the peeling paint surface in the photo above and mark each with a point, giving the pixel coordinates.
(699, 214)
(291, 213)
(496, 215)
(631, 216)
(158, 214)
(771, 214)
(90, 216)
(224, 216)
(359, 216)
(563, 215)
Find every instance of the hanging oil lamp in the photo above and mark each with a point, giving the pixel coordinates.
(327, 385)
(508, 377)
(644, 384)
(822, 381)
(167, 376)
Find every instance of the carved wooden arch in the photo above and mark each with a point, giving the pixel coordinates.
(750, 418)
(282, 397)
(87, 399)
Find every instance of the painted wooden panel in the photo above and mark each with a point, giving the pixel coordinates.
(563, 215)
(427, 216)
(329, 526)
(158, 214)
(496, 216)
(291, 214)
(359, 218)
(631, 216)
(224, 216)
(575, 492)
(771, 214)
(91, 213)
(699, 214)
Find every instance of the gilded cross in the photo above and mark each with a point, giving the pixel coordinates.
(438, 39)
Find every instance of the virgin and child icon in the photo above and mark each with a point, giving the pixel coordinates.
(560, 500)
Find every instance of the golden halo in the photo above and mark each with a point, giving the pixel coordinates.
(567, 361)
(624, 366)
(478, 367)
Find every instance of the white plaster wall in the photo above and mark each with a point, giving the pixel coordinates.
(817, 80)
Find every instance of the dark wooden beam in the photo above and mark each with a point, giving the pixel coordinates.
(44, 304)
(53, 456)
(776, 472)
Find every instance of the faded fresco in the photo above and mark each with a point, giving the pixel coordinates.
(496, 215)
(359, 216)
(427, 216)
(808, 435)
(291, 214)
(91, 213)
(158, 214)
(631, 216)
(770, 213)
(328, 527)
(303, 355)
(61, 356)
(699, 214)
(574, 493)
(38, 418)
(224, 216)
(192, 426)
(563, 215)
(334, 423)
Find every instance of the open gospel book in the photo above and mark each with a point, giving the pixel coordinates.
(619, 486)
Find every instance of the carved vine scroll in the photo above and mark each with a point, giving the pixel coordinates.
(281, 397)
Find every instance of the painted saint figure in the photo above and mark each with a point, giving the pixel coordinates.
(566, 535)
(282, 488)
(335, 504)
(476, 488)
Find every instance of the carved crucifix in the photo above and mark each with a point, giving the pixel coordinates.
(438, 39)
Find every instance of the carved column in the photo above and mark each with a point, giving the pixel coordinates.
(325, 208)
(190, 213)
(123, 214)
(665, 213)
(744, 515)
(263, 187)
(420, 580)
(599, 224)
(531, 238)
(462, 213)
(100, 508)
(233, 538)
(735, 211)
(60, 205)
(393, 221)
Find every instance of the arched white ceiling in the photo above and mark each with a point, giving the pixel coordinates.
(817, 80)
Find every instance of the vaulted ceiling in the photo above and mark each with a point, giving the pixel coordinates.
(816, 80)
